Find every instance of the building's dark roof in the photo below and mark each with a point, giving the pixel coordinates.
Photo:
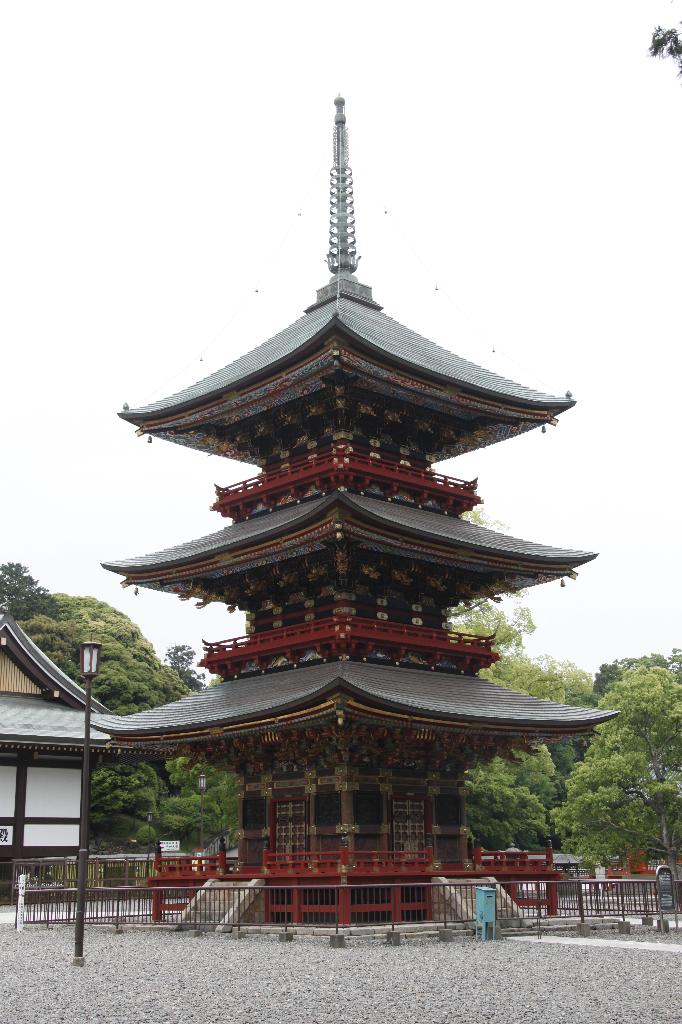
(371, 328)
(428, 525)
(466, 699)
(20, 645)
(34, 720)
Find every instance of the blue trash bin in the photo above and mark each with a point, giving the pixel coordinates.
(486, 911)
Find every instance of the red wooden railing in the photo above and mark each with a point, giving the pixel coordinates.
(330, 862)
(346, 634)
(334, 862)
(516, 860)
(343, 467)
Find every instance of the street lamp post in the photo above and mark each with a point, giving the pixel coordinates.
(150, 818)
(89, 669)
(202, 790)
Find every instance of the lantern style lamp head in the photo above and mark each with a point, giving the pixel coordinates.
(202, 783)
(90, 659)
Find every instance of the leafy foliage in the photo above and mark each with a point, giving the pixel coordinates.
(131, 677)
(509, 802)
(182, 659)
(545, 678)
(502, 807)
(614, 671)
(627, 794)
(21, 594)
(125, 792)
(179, 809)
(666, 42)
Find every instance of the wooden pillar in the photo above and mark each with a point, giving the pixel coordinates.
(463, 841)
(348, 813)
(385, 837)
(312, 841)
(241, 840)
(20, 804)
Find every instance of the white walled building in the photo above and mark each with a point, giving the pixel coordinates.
(41, 749)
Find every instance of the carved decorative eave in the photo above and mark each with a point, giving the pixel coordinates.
(426, 535)
(399, 695)
(380, 358)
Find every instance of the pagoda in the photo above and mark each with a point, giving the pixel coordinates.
(351, 709)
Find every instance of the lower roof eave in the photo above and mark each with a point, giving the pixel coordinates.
(323, 701)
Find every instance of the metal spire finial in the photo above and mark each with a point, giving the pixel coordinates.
(342, 257)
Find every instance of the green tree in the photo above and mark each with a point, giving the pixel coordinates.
(122, 795)
(485, 618)
(501, 810)
(182, 659)
(543, 677)
(627, 793)
(509, 802)
(21, 594)
(131, 677)
(615, 670)
(179, 810)
(666, 42)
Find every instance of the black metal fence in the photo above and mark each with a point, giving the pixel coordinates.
(341, 906)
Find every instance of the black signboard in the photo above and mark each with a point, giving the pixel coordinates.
(665, 884)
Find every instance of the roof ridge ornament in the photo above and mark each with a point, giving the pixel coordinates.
(342, 257)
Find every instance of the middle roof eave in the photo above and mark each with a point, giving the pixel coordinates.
(414, 521)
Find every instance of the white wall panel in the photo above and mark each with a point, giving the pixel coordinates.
(50, 835)
(8, 785)
(53, 793)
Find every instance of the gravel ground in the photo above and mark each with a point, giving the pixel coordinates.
(639, 934)
(168, 977)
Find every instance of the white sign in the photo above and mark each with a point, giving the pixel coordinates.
(170, 845)
(20, 902)
(6, 835)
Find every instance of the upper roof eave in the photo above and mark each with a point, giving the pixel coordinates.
(347, 317)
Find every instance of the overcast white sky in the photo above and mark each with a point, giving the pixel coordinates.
(163, 191)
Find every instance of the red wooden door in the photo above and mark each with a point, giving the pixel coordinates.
(290, 826)
(408, 823)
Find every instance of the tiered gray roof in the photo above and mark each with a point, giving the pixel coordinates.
(372, 329)
(32, 720)
(420, 522)
(451, 697)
